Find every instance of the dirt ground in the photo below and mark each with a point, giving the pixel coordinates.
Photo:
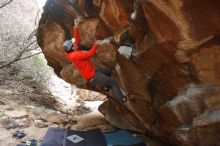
(28, 106)
(19, 99)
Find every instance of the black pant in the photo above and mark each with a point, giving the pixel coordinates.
(104, 80)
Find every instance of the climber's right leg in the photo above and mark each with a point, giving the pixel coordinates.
(103, 80)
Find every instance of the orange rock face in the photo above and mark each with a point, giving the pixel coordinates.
(171, 65)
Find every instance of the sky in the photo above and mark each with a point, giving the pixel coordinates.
(41, 3)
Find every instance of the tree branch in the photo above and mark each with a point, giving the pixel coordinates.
(18, 59)
(5, 3)
(30, 56)
(26, 44)
(14, 60)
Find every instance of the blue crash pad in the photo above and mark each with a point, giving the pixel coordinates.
(122, 138)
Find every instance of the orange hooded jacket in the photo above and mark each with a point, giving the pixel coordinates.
(81, 58)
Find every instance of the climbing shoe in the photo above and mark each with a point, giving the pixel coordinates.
(107, 88)
(127, 98)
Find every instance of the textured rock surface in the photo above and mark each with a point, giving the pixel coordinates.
(173, 70)
(49, 115)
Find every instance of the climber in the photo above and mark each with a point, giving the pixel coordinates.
(81, 60)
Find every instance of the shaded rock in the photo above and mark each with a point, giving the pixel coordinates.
(139, 27)
(197, 25)
(90, 121)
(90, 29)
(49, 115)
(69, 73)
(17, 114)
(188, 118)
(207, 124)
(116, 14)
(182, 56)
(206, 61)
(183, 108)
(210, 117)
(203, 125)
(58, 32)
(41, 124)
(105, 56)
(165, 30)
(9, 123)
(80, 110)
(114, 116)
(10, 108)
(88, 8)
(23, 122)
(87, 95)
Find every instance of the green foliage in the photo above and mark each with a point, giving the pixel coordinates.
(39, 69)
(34, 68)
(23, 76)
(38, 61)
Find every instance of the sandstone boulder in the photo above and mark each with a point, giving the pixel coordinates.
(172, 69)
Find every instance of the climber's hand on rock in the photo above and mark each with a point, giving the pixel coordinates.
(77, 20)
(106, 40)
(98, 42)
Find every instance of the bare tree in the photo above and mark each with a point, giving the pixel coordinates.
(17, 35)
(28, 44)
(4, 3)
